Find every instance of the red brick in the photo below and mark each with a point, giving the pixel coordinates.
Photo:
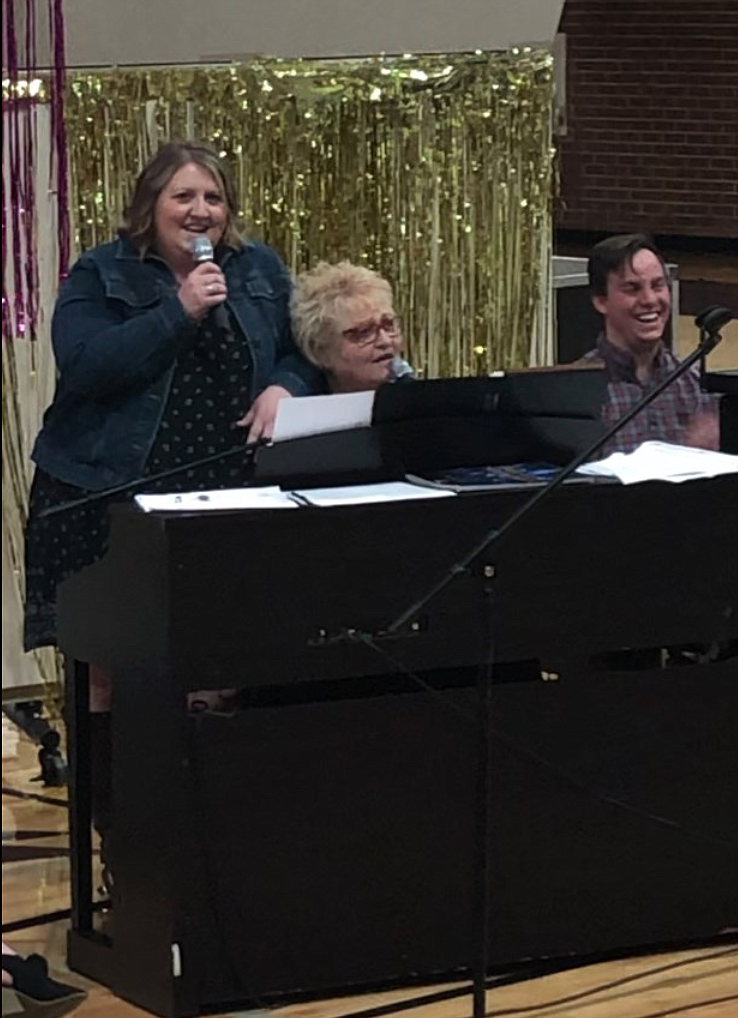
(652, 119)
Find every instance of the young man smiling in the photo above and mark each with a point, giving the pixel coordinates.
(629, 285)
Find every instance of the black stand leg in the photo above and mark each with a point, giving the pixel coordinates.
(481, 848)
(482, 810)
(80, 819)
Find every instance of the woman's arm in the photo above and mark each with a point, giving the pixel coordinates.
(99, 349)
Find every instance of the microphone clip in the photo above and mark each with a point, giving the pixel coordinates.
(710, 321)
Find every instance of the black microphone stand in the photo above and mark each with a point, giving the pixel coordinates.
(247, 451)
(709, 338)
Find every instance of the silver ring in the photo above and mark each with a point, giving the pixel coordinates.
(211, 287)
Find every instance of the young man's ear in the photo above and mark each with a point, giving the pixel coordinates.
(600, 303)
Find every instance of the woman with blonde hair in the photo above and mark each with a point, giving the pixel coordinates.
(344, 321)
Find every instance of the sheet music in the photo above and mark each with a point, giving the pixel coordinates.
(229, 498)
(314, 415)
(275, 498)
(661, 461)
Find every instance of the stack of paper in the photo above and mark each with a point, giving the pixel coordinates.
(659, 461)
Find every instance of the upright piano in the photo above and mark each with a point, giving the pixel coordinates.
(319, 838)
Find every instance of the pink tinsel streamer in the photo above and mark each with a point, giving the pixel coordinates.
(20, 313)
(60, 136)
(28, 146)
(13, 315)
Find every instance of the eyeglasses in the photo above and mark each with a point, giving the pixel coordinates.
(362, 335)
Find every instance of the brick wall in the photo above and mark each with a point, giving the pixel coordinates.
(652, 117)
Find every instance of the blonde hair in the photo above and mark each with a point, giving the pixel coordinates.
(320, 296)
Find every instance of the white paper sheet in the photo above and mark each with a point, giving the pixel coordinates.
(314, 415)
(660, 461)
(230, 498)
(274, 498)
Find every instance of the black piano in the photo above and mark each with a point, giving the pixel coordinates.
(725, 385)
(319, 839)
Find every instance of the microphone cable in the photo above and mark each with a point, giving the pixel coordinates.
(543, 762)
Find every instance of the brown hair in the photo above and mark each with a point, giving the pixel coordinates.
(613, 254)
(138, 219)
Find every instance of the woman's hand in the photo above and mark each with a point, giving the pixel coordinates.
(204, 288)
(260, 418)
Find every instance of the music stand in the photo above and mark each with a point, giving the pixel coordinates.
(422, 427)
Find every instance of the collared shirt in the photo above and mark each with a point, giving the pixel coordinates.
(665, 419)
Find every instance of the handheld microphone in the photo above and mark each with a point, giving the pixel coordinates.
(202, 251)
(400, 370)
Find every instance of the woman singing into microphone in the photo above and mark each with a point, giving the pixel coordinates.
(344, 321)
(147, 381)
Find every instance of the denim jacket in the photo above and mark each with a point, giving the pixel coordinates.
(117, 330)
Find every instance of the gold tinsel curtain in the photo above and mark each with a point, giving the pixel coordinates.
(436, 170)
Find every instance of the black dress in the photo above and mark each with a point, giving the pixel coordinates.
(210, 390)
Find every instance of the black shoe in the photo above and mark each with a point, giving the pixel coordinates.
(34, 994)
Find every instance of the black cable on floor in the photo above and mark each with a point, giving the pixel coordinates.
(537, 972)
(39, 920)
(690, 1007)
(616, 984)
(49, 917)
(47, 800)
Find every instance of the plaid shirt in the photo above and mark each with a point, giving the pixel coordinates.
(667, 417)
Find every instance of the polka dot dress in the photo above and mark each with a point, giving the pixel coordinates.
(210, 391)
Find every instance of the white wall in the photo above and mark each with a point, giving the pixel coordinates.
(34, 372)
(105, 32)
